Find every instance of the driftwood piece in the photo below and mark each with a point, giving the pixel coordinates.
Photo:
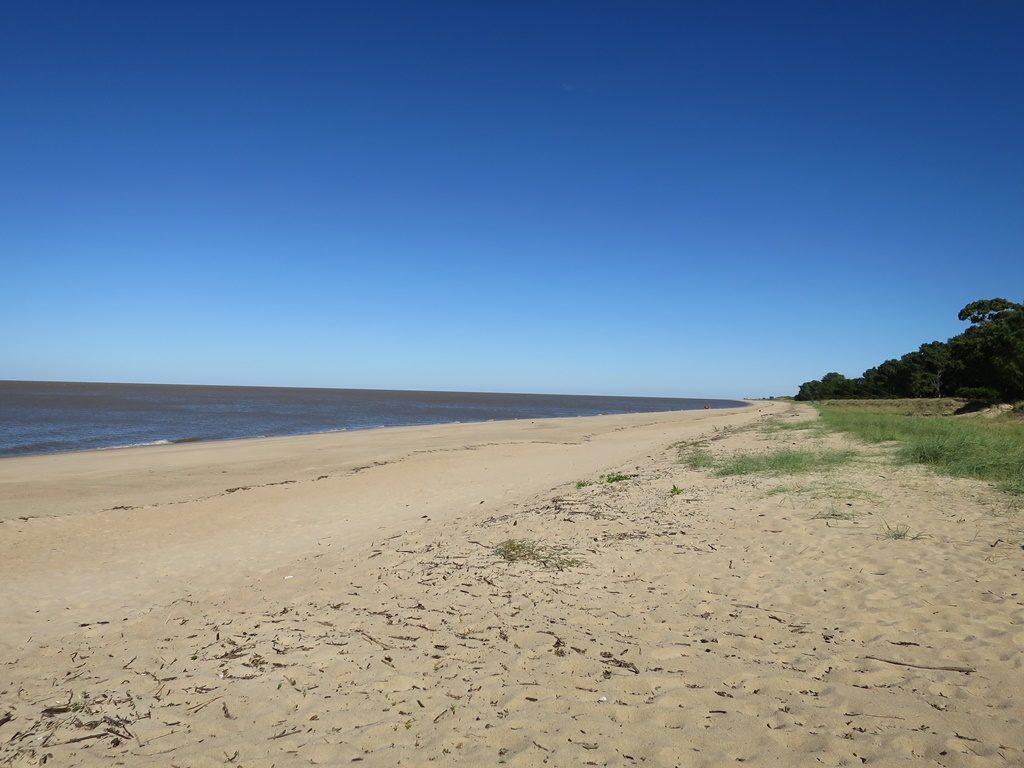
(962, 670)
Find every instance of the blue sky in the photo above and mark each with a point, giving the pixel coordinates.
(713, 199)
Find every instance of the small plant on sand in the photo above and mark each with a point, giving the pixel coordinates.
(900, 532)
(827, 487)
(617, 477)
(551, 556)
(700, 459)
(584, 483)
(834, 514)
(676, 490)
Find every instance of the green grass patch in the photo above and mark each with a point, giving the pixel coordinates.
(617, 477)
(962, 447)
(584, 483)
(700, 459)
(809, 425)
(917, 406)
(796, 425)
(549, 556)
(676, 490)
(785, 461)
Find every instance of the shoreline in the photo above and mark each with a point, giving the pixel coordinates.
(206, 440)
(32, 469)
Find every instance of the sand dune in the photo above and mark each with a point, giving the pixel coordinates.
(337, 599)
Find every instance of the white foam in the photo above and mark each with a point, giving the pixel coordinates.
(132, 445)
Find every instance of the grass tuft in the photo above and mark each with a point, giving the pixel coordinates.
(900, 533)
(545, 555)
(700, 459)
(834, 514)
(676, 490)
(828, 487)
(617, 477)
(584, 483)
(784, 461)
(811, 425)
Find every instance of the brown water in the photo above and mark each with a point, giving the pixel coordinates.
(49, 417)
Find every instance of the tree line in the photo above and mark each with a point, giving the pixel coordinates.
(984, 363)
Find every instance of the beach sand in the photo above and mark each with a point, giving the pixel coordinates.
(336, 599)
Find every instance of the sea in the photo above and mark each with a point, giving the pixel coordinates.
(54, 417)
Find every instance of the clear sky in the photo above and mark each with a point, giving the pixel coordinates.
(707, 199)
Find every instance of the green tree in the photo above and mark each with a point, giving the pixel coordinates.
(990, 353)
(809, 390)
(832, 386)
(987, 357)
(883, 380)
(922, 372)
(986, 310)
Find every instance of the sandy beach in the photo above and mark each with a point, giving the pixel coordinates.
(336, 598)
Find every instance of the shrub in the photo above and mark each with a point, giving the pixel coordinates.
(985, 395)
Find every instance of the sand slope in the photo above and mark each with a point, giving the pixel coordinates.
(324, 622)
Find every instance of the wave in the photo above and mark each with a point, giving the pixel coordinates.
(172, 441)
(131, 445)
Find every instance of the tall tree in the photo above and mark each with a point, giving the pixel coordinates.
(987, 358)
(932, 364)
(990, 353)
(986, 310)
